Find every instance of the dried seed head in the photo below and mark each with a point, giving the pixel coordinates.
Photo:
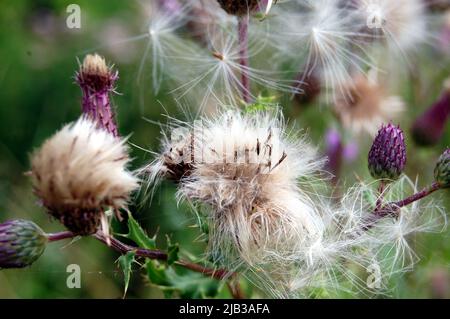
(22, 242)
(244, 170)
(238, 7)
(442, 169)
(364, 104)
(387, 157)
(79, 172)
(95, 74)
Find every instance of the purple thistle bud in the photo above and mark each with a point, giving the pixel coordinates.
(97, 80)
(442, 169)
(429, 128)
(238, 7)
(22, 242)
(387, 156)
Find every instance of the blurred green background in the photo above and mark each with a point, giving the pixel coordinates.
(38, 55)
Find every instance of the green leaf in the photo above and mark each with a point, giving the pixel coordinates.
(138, 235)
(172, 253)
(125, 262)
(157, 273)
(369, 197)
(262, 103)
(186, 283)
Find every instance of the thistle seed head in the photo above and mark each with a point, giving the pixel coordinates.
(387, 157)
(95, 75)
(81, 171)
(244, 171)
(442, 169)
(22, 242)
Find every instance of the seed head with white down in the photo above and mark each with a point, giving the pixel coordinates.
(245, 169)
(80, 171)
(319, 34)
(256, 185)
(403, 23)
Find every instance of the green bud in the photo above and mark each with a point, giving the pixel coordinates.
(442, 170)
(22, 242)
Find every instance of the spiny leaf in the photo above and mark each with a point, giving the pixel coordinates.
(172, 252)
(125, 262)
(138, 235)
(157, 273)
(187, 284)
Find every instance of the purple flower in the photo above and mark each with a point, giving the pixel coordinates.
(387, 156)
(22, 242)
(170, 6)
(97, 80)
(429, 128)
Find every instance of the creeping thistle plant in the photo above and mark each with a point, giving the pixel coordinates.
(258, 187)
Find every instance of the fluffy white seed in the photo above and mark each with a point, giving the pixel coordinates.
(82, 168)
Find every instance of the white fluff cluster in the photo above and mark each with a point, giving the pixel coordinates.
(256, 185)
(246, 169)
(82, 167)
(338, 39)
(402, 23)
(355, 253)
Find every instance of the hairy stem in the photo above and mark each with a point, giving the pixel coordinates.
(243, 53)
(423, 193)
(60, 236)
(393, 208)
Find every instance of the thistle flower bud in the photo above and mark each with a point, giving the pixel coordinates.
(22, 242)
(429, 128)
(238, 7)
(96, 81)
(442, 170)
(79, 173)
(387, 156)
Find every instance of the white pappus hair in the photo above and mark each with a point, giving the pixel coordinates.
(256, 184)
(82, 167)
(246, 169)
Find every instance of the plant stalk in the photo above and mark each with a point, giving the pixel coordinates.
(243, 23)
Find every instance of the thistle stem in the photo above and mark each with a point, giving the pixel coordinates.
(243, 23)
(423, 193)
(60, 236)
(117, 245)
(392, 209)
